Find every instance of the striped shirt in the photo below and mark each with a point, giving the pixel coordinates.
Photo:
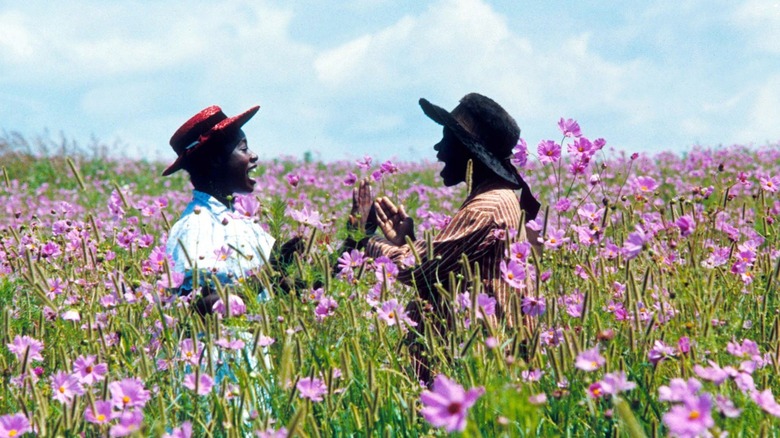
(211, 238)
(474, 231)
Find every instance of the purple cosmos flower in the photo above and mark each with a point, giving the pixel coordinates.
(293, 179)
(692, 418)
(519, 251)
(350, 179)
(246, 205)
(183, 431)
(65, 387)
(678, 390)
(13, 425)
(306, 217)
(486, 305)
(766, 401)
(590, 360)
(582, 147)
(520, 154)
(102, 414)
(686, 225)
(237, 306)
(311, 388)
(714, 373)
(326, 307)
(769, 184)
(202, 385)
(128, 393)
(190, 352)
(513, 273)
(595, 390)
(660, 351)
(615, 383)
(726, 406)
(447, 405)
(350, 260)
(393, 313)
(645, 184)
(265, 341)
(272, 433)
(388, 167)
(569, 127)
(129, 422)
(549, 151)
(533, 306)
(555, 239)
(87, 371)
(20, 346)
(230, 344)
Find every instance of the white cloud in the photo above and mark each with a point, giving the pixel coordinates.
(763, 123)
(761, 18)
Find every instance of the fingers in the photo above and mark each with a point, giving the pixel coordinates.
(388, 205)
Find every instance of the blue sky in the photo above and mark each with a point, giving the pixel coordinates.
(342, 79)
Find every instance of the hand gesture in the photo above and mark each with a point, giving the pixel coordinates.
(362, 216)
(394, 221)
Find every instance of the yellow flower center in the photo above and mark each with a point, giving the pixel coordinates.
(12, 432)
(510, 276)
(101, 417)
(391, 315)
(88, 369)
(694, 415)
(125, 399)
(553, 240)
(62, 390)
(597, 392)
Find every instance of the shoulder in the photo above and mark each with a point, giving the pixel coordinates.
(498, 202)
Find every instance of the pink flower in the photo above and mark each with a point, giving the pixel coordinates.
(520, 154)
(393, 313)
(448, 404)
(486, 305)
(569, 128)
(190, 353)
(595, 390)
(311, 388)
(265, 341)
(272, 433)
(202, 385)
(660, 351)
(293, 179)
(686, 225)
(230, 344)
(769, 184)
(87, 371)
(102, 414)
(237, 306)
(326, 307)
(635, 243)
(13, 425)
(555, 239)
(645, 184)
(615, 383)
(65, 387)
(129, 422)
(691, 418)
(590, 360)
(766, 401)
(549, 151)
(350, 179)
(246, 205)
(513, 273)
(678, 390)
(183, 431)
(25, 345)
(713, 373)
(128, 393)
(533, 306)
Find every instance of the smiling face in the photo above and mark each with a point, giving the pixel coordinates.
(234, 173)
(455, 157)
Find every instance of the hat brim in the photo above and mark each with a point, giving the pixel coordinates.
(501, 167)
(227, 125)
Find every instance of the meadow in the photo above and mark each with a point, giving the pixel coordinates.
(655, 309)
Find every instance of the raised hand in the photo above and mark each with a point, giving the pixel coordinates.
(394, 221)
(362, 216)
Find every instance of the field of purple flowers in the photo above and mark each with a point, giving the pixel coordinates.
(655, 309)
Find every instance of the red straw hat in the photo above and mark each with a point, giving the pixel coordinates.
(200, 131)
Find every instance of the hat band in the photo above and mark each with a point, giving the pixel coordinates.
(191, 145)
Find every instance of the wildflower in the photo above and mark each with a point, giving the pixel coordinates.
(13, 425)
(237, 306)
(615, 383)
(520, 153)
(520, 251)
(555, 239)
(713, 373)
(532, 375)
(265, 341)
(533, 306)
(447, 405)
(538, 399)
(659, 352)
(388, 167)
(223, 253)
(246, 205)
(491, 342)
(230, 344)
(486, 305)
(25, 345)
(350, 260)
(65, 387)
(293, 179)
(634, 243)
(645, 184)
(393, 313)
(726, 406)
(326, 307)
(202, 385)
(128, 393)
(513, 273)
(595, 390)
(549, 151)
(691, 418)
(766, 401)
(686, 225)
(190, 352)
(590, 360)
(102, 413)
(306, 217)
(350, 179)
(569, 128)
(311, 388)
(129, 422)
(183, 431)
(272, 433)
(678, 390)
(769, 184)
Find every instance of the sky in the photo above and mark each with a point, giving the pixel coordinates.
(342, 79)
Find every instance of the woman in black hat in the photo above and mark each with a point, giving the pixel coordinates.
(478, 131)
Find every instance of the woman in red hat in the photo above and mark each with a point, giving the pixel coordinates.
(210, 242)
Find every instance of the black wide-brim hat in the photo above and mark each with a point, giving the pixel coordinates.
(202, 131)
(499, 134)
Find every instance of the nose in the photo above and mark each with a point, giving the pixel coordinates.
(252, 157)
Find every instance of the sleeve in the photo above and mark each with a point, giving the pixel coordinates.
(191, 244)
(470, 232)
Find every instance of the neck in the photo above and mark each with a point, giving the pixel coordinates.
(219, 195)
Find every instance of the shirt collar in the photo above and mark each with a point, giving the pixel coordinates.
(209, 202)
